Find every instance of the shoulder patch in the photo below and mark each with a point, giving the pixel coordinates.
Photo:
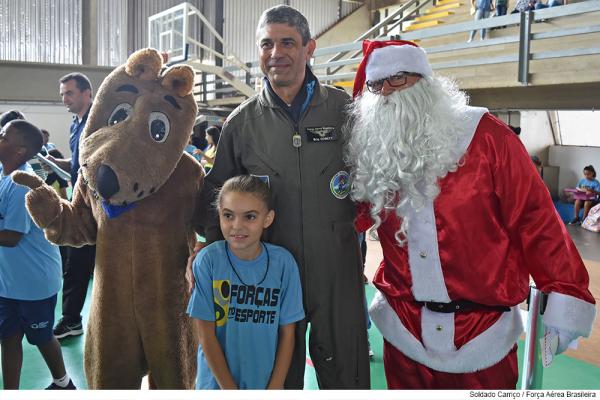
(340, 185)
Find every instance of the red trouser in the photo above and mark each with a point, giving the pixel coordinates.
(403, 373)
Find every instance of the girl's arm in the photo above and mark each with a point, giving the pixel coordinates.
(210, 160)
(214, 354)
(283, 357)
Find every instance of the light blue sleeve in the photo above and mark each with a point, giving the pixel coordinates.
(201, 305)
(17, 218)
(291, 293)
(596, 185)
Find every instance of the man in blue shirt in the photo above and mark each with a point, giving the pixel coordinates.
(29, 266)
(76, 94)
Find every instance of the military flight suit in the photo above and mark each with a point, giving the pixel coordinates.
(303, 165)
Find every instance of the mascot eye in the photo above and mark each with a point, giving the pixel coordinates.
(159, 126)
(120, 113)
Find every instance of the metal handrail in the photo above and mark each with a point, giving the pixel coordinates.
(383, 23)
(524, 38)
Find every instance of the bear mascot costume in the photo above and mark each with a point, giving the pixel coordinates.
(136, 199)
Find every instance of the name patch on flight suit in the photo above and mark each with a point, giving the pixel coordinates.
(321, 134)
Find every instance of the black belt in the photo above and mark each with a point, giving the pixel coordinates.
(460, 305)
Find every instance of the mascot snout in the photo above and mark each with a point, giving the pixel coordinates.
(107, 182)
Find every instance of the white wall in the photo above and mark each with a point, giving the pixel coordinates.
(571, 160)
(53, 117)
(536, 134)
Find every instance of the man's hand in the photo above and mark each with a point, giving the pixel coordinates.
(189, 271)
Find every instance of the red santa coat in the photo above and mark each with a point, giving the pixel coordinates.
(491, 227)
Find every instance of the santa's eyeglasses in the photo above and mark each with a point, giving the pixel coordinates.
(395, 80)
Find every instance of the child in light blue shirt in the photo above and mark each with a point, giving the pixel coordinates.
(30, 267)
(247, 296)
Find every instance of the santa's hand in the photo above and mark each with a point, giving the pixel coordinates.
(554, 342)
(189, 271)
(42, 200)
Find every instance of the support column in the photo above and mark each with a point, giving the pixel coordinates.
(89, 32)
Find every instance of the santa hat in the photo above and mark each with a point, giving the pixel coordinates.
(383, 59)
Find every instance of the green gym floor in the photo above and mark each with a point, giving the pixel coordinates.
(565, 373)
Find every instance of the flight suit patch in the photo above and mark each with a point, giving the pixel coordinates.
(321, 134)
(340, 185)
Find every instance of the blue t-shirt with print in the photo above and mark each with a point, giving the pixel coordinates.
(32, 269)
(190, 150)
(247, 312)
(592, 184)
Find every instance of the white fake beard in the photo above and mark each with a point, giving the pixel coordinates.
(400, 145)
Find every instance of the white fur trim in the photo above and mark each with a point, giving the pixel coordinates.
(428, 282)
(473, 116)
(387, 61)
(438, 352)
(569, 313)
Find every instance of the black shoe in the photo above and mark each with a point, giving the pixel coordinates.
(575, 221)
(64, 329)
(54, 386)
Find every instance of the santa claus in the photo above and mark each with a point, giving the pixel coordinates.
(464, 220)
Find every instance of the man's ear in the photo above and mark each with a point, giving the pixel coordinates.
(310, 49)
(269, 219)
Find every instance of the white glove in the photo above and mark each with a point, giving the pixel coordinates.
(554, 342)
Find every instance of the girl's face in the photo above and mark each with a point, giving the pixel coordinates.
(243, 217)
(588, 175)
(209, 139)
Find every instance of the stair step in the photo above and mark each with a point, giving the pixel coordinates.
(444, 2)
(428, 17)
(422, 25)
(445, 7)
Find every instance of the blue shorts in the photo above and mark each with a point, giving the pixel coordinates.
(35, 318)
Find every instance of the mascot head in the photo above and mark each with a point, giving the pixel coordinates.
(138, 127)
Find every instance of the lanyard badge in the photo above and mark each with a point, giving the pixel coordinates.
(296, 140)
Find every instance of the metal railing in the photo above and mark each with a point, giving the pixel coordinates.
(405, 13)
(524, 39)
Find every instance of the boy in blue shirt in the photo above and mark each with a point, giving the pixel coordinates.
(30, 267)
(247, 296)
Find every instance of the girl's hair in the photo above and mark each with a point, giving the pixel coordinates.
(591, 169)
(246, 184)
(214, 133)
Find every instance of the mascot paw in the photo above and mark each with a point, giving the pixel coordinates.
(42, 201)
(25, 179)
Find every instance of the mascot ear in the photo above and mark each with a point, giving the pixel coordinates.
(179, 79)
(144, 64)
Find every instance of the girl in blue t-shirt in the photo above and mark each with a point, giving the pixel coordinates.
(247, 296)
(590, 185)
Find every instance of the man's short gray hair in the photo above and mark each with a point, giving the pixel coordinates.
(283, 14)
